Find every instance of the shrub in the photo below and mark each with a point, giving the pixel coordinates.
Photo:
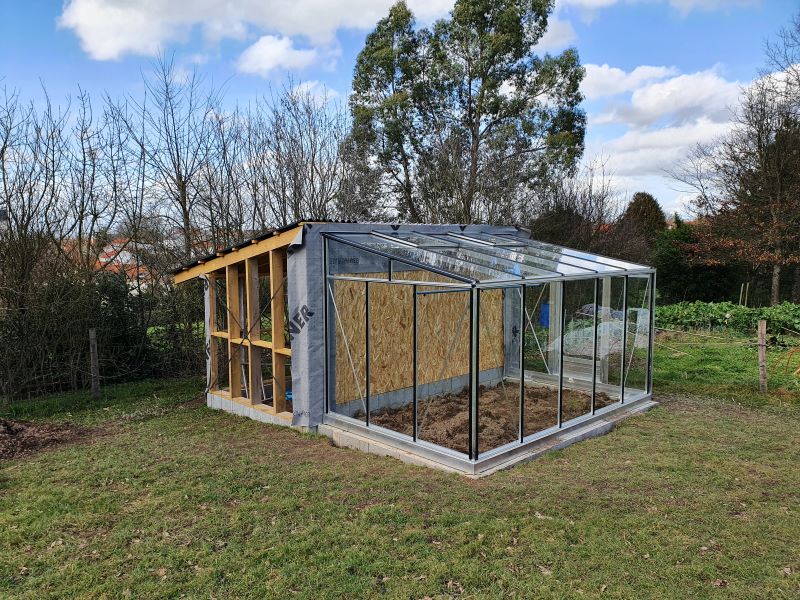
(728, 316)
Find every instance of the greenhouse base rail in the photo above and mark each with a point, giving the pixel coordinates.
(553, 438)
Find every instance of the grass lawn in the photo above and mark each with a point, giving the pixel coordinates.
(725, 366)
(699, 498)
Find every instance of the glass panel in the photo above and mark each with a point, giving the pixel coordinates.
(419, 239)
(545, 266)
(347, 319)
(538, 263)
(492, 261)
(347, 260)
(613, 262)
(561, 257)
(541, 355)
(498, 398)
(638, 337)
(391, 309)
(448, 264)
(609, 340)
(487, 237)
(443, 322)
(578, 348)
(404, 272)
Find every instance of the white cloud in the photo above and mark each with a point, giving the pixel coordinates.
(687, 6)
(658, 116)
(652, 151)
(559, 34)
(317, 90)
(683, 6)
(603, 81)
(679, 99)
(109, 29)
(271, 52)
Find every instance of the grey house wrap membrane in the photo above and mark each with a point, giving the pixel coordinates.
(466, 346)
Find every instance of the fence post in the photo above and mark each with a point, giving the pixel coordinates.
(762, 356)
(95, 363)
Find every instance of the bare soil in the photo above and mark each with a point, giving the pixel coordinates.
(22, 438)
(444, 420)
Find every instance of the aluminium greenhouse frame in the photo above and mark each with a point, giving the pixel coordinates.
(480, 249)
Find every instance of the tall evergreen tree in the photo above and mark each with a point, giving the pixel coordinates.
(460, 119)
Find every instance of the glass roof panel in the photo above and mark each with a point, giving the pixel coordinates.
(492, 239)
(521, 254)
(571, 252)
(417, 239)
(496, 261)
(426, 258)
(562, 256)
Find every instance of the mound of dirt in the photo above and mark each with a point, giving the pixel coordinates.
(21, 438)
(444, 420)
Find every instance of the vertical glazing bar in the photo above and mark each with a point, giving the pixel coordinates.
(594, 344)
(474, 371)
(522, 363)
(624, 339)
(561, 356)
(390, 269)
(414, 362)
(652, 325)
(366, 346)
(325, 319)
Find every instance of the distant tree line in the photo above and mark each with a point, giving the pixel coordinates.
(747, 183)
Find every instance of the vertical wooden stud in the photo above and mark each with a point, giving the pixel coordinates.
(234, 330)
(254, 330)
(277, 302)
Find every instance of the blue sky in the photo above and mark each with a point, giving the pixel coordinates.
(661, 74)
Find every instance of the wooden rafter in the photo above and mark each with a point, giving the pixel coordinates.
(240, 254)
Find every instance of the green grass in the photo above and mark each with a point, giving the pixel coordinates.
(725, 366)
(698, 498)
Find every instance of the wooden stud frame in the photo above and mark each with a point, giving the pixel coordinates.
(243, 337)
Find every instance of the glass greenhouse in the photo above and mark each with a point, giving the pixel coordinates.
(472, 345)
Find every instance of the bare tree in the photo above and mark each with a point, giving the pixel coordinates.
(172, 126)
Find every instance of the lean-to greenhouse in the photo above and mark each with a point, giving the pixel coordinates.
(468, 347)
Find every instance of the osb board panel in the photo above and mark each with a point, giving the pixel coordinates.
(442, 335)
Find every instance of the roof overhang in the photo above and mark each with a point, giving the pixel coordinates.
(271, 240)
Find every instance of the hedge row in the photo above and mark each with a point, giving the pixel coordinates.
(729, 316)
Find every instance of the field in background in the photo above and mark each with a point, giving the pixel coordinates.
(161, 497)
